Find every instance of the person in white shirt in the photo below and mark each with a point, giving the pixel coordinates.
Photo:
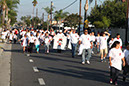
(118, 39)
(97, 39)
(10, 37)
(24, 42)
(86, 45)
(103, 46)
(74, 37)
(15, 38)
(47, 40)
(111, 42)
(31, 43)
(60, 34)
(116, 57)
(37, 43)
(126, 68)
(4, 34)
(93, 41)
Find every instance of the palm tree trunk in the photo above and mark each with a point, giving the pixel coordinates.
(3, 14)
(33, 17)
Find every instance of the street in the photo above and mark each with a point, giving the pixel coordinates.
(57, 69)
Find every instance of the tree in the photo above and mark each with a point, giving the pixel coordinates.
(60, 15)
(113, 10)
(34, 5)
(10, 9)
(36, 21)
(72, 20)
(105, 23)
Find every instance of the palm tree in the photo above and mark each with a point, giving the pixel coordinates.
(48, 11)
(34, 4)
(59, 15)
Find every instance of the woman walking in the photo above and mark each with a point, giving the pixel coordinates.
(115, 58)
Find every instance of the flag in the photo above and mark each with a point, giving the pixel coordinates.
(90, 1)
(86, 6)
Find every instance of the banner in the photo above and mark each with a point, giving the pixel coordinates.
(59, 42)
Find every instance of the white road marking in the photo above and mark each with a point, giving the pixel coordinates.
(41, 81)
(30, 60)
(35, 69)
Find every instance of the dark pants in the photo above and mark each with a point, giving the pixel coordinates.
(14, 41)
(125, 72)
(73, 49)
(114, 74)
(31, 47)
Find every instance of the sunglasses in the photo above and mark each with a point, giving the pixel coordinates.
(86, 31)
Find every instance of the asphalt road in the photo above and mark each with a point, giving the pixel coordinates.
(57, 69)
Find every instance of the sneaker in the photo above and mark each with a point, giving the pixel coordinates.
(116, 83)
(47, 51)
(88, 62)
(83, 63)
(101, 60)
(110, 81)
(104, 60)
(28, 54)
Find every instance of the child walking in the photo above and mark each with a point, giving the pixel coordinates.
(115, 58)
(37, 43)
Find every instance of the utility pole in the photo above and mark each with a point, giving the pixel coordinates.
(95, 3)
(85, 15)
(127, 23)
(43, 17)
(51, 15)
(37, 12)
(80, 17)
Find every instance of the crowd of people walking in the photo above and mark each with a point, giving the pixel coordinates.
(87, 42)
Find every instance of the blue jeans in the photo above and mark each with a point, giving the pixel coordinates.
(74, 46)
(84, 57)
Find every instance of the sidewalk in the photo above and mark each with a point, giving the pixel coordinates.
(5, 58)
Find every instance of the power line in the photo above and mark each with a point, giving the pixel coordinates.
(69, 5)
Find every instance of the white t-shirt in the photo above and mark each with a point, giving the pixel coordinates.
(11, 37)
(74, 38)
(47, 40)
(97, 39)
(126, 53)
(103, 42)
(118, 39)
(116, 58)
(4, 34)
(37, 42)
(23, 33)
(15, 36)
(60, 35)
(28, 34)
(93, 38)
(24, 41)
(85, 39)
(110, 43)
(31, 39)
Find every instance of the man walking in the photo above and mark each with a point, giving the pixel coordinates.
(74, 40)
(85, 41)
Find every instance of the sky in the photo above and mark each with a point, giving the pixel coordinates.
(26, 7)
